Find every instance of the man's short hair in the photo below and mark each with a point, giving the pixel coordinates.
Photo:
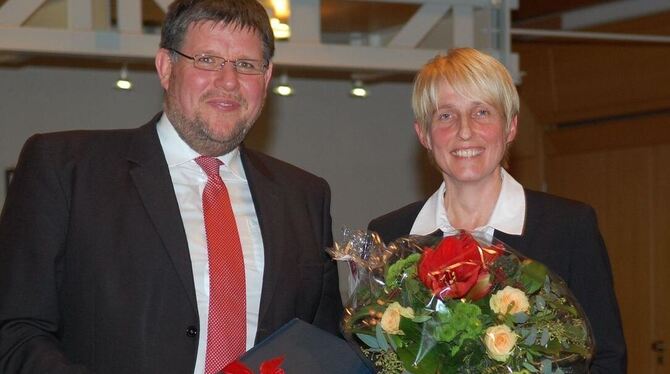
(245, 14)
(471, 74)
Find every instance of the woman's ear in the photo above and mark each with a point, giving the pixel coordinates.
(424, 137)
(511, 131)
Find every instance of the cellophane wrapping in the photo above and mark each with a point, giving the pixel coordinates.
(459, 304)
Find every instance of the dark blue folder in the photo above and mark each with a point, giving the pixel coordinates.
(307, 350)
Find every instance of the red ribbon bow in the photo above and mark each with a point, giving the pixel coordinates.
(271, 366)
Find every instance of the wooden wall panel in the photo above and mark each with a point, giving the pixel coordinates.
(537, 90)
(565, 82)
(616, 184)
(526, 160)
(661, 257)
(633, 131)
(606, 80)
(599, 113)
(628, 183)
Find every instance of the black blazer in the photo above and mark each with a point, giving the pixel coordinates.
(95, 271)
(563, 234)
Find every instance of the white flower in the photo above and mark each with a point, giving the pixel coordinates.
(509, 300)
(391, 318)
(500, 342)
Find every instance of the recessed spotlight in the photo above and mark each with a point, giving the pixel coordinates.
(283, 87)
(358, 89)
(123, 83)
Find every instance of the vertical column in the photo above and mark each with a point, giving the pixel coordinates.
(463, 26)
(129, 16)
(80, 15)
(306, 21)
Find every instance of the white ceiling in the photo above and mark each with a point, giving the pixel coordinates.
(373, 37)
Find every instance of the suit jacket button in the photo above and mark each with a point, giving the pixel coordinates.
(191, 331)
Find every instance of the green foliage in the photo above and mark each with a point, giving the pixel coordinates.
(414, 293)
(381, 339)
(508, 266)
(458, 323)
(395, 271)
(386, 361)
(532, 276)
(370, 341)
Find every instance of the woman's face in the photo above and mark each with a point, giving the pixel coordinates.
(466, 138)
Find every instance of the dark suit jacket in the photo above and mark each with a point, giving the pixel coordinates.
(95, 271)
(564, 235)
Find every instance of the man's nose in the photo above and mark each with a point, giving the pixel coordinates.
(227, 77)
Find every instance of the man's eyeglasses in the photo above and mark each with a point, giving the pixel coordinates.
(214, 63)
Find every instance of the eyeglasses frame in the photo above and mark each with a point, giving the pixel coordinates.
(225, 61)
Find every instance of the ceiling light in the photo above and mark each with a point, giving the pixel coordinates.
(123, 83)
(282, 31)
(283, 88)
(358, 89)
(281, 8)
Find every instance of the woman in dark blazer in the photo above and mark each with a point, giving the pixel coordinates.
(466, 107)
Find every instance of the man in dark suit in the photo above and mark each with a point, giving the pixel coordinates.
(104, 248)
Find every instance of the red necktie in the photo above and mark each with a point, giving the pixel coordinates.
(227, 323)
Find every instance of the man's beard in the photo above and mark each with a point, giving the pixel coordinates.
(196, 133)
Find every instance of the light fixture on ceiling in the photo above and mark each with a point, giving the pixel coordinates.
(281, 12)
(123, 83)
(282, 31)
(358, 89)
(283, 87)
(281, 9)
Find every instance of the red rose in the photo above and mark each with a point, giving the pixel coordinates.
(457, 268)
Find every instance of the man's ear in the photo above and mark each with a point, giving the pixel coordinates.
(268, 74)
(164, 67)
(424, 138)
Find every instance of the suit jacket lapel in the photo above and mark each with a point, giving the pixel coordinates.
(268, 205)
(149, 172)
(523, 241)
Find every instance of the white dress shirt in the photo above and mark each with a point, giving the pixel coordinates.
(189, 181)
(508, 215)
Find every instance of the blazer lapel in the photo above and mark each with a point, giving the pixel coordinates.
(268, 205)
(149, 172)
(522, 242)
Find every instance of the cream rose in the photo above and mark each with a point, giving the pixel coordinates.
(500, 342)
(391, 318)
(509, 300)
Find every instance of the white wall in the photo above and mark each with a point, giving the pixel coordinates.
(365, 148)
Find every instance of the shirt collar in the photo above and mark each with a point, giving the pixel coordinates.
(177, 152)
(508, 214)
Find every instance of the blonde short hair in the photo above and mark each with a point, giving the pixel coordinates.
(472, 74)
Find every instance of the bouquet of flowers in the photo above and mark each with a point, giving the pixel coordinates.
(460, 304)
